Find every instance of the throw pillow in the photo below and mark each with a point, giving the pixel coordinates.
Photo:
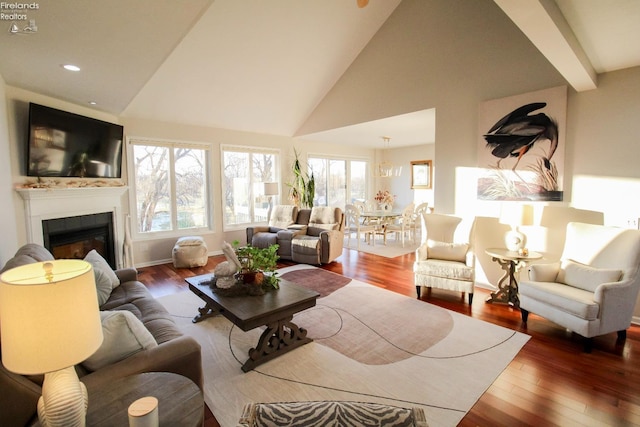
(190, 241)
(447, 251)
(124, 335)
(106, 278)
(584, 276)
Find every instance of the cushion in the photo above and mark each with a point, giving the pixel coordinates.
(322, 215)
(190, 241)
(584, 276)
(124, 335)
(106, 278)
(447, 251)
(282, 216)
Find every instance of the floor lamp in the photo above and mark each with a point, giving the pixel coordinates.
(49, 322)
(271, 189)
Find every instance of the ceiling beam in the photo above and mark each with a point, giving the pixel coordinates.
(543, 23)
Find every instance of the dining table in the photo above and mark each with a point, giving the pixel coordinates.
(381, 218)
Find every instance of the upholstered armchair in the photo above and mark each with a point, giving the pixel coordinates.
(445, 259)
(324, 238)
(593, 289)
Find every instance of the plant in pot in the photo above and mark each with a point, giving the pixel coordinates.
(303, 188)
(258, 265)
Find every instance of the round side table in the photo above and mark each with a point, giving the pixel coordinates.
(180, 401)
(510, 261)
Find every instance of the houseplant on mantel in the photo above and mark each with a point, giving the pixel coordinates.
(255, 262)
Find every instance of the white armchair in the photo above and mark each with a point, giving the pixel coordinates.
(593, 289)
(445, 259)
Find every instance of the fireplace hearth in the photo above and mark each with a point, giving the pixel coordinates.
(74, 237)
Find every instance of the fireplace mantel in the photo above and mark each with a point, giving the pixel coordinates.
(50, 203)
(72, 192)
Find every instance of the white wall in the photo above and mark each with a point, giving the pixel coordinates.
(7, 215)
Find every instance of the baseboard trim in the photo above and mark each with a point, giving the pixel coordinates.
(167, 260)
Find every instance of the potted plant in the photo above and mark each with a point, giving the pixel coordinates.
(255, 262)
(303, 188)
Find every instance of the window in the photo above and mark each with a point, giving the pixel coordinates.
(244, 172)
(338, 181)
(170, 190)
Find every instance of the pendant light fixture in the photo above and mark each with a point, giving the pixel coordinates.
(385, 168)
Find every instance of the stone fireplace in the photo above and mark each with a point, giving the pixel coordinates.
(72, 221)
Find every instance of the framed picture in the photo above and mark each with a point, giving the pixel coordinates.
(421, 174)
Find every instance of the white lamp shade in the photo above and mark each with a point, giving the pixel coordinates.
(48, 325)
(515, 214)
(271, 189)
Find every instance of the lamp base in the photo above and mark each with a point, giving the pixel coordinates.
(64, 400)
(514, 240)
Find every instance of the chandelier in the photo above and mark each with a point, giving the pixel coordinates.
(385, 168)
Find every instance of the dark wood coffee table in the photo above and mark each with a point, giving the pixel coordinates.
(274, 309)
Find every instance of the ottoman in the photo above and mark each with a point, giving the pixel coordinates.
(189, 252)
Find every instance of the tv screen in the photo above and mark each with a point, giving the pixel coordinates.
(63, 144)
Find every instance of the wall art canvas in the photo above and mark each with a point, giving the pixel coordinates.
(521, 144)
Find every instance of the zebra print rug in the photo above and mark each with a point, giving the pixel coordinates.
(369, 345)
(330, 414)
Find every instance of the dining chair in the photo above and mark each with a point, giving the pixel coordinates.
(355, 225)
(405, 224)
(417, 217)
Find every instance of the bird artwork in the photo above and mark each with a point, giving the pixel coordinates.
(524, 133)
(515, 134)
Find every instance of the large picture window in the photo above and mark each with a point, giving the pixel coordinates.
(338, 181)
(245, 170)
(170, 185)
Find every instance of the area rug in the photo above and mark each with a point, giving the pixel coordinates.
(370, 345)
(392, 249)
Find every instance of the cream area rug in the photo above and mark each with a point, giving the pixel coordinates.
(370, 345)
(392, 249)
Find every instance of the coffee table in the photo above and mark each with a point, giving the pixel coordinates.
(274, 309)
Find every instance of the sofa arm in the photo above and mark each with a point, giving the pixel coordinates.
(180, 356)
(19, 402)
(127, 274)
(331, 245)
(251, 231)
(544, 272)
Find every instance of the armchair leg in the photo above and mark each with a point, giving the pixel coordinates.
(470, 296)
(588, 345)
(525, 315)
(418, 290)
(622, 335)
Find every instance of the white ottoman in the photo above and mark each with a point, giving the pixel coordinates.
(189, 252)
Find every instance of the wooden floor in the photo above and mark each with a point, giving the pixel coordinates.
(550, 382)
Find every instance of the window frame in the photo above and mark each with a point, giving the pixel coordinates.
(347, 160)
(131, 141)
(276, 152)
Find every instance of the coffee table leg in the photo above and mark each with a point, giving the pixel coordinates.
(205, 312)
(278, 338)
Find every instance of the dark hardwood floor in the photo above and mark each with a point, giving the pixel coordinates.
(550, 382)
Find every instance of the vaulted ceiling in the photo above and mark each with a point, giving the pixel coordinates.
(263, 66)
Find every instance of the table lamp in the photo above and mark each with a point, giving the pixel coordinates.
(271, 189)
(515, 215)
(49, 322)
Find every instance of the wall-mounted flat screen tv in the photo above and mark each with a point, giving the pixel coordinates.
(63, 144)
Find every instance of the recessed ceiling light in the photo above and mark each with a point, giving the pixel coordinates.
(93, 103)
(71, 67)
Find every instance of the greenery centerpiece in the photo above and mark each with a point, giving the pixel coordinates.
(258, 265)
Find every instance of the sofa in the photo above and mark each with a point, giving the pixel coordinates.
(593, 289)
(310, 236)
(285, 222)
(127, 302)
